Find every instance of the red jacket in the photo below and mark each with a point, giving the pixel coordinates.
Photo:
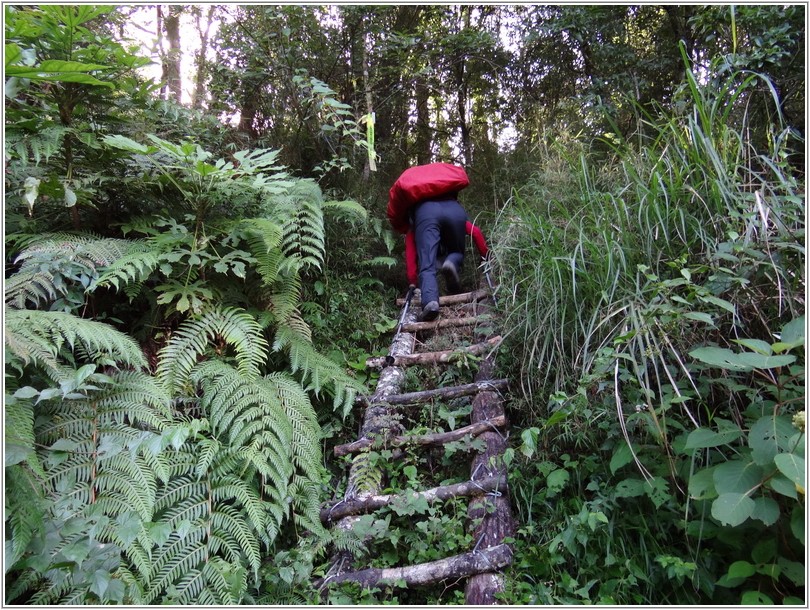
(420, 183)
(411, 258)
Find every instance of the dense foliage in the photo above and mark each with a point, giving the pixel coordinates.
(189, 301)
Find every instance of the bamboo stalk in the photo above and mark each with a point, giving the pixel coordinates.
(458, 566)
(445, 393)
(435, 357)
(445, 492)
(435, 438)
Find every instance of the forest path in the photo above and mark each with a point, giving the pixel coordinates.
(403, 427)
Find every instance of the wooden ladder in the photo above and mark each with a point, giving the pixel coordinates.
(489, 513)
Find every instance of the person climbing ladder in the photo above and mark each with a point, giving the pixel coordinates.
(423, 205)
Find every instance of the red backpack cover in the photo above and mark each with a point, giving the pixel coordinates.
(420, 183)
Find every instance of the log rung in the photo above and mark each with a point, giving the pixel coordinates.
(459, 490)
(490, 559)
(442, 357)
(442, 323)
(452, 299)
(438, 438)
(412, 398)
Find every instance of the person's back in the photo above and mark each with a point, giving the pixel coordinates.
(423, 204)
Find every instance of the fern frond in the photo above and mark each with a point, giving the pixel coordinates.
(348, 208)
(39, 337)
(192, 340)
(50, 263)
(317, 370)
(25, 509)
(263, 237)
(300, 214)
(131, 269)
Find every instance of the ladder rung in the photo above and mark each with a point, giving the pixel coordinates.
(442, 357)
(436, 438)
(466, 489)
(484, 560)
(447, 393)
(452, 299)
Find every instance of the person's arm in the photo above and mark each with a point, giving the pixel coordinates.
(411, 258)
(478, 238)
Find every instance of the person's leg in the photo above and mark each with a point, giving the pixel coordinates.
(453, 235)
(428, 235)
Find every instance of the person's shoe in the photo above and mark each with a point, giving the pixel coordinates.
(451, 277)
(430, 312)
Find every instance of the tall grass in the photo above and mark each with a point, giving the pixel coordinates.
(584, 259)
(613, 273)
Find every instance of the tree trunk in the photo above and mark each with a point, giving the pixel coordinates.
(199, 85)
(171, 59)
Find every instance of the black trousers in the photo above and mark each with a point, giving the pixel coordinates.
(439, 228)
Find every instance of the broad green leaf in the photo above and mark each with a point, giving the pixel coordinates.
(792, 466)
(703, 438)
(557, 479)
(736, 476)
(766, 510)
(658, 491)
(129, 526)
(741, 569)
(764, 550)
(13, 55)
(755, 598)
(720, 357)
(732, 508)
(59, 65)
(793, 570)
(797, 522)
(125, 143)
(699, 316)
(529, 438)
(758, 361)
(621, 457)
(756, 345)
(629, 488)
(701, 485)
(721, 303)
(26, 392)
(16, 453)
(784, 486)
(99, 582)
(793, 332)
(768, 436)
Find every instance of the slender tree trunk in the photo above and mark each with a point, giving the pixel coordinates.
(199, 88)
(171, 59)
